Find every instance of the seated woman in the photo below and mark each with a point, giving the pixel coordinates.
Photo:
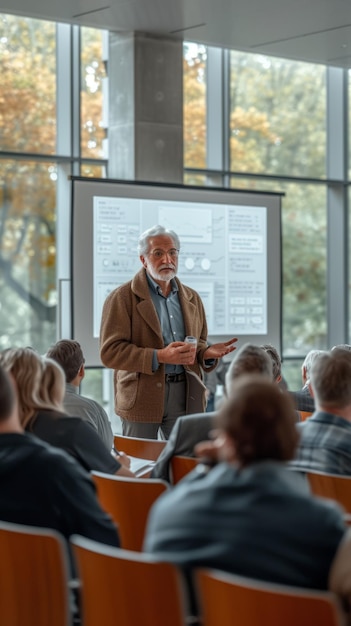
(250, 514)
(40, 384)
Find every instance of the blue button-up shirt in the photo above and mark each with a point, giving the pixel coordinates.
(170, 315)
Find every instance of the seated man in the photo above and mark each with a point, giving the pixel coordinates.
(190, 429)
(69, 355)
(325, 438)
(43, 486)
(250, 515)
(304, 400)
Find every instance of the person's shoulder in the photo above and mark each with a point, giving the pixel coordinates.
(196, 420)
(78, 400)
(50, 456)
(327, 512)
(63, 425)
(94, 404)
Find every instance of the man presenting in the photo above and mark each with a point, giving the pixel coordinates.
(143, 327)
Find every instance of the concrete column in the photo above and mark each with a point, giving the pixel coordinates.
(337, 167)
(145, 133)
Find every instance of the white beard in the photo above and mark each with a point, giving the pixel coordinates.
(163, 276)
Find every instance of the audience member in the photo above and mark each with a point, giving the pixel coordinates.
(41, 485)
(40, 385)
(250, 515)
(191, 429)
(69, 355)
(276, 361)
(211, 380)
(342, 346)
(325, 438)
(303, 398)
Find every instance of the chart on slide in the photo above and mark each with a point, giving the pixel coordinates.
(223, 255)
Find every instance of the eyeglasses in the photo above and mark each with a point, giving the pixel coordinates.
(158, 254)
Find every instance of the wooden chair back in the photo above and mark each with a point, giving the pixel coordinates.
(181, 466)
(226, 599)
(128, 501)
(304, 415)
(34, 577)
(141, 448)
(126, 588)
(331, 486)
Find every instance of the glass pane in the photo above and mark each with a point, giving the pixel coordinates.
(194, 85)
(195, 179)
(98, 384)
(93, 170)
(27, 254)
(277, 116)
(304, 244)
(27, 85)
(93, 75)
(291, 371)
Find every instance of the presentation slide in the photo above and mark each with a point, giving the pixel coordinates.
(223, 256)
(230, 253)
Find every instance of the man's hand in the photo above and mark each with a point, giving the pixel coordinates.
(123, 459)
(219, 448)
(177, 353)
(217, 350)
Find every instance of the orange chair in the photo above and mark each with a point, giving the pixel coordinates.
(331, 486)
(128, 501)
(304, 415)
(127, 588)
(181, 466)
(34, 577)
(141, 448)
(226, 599)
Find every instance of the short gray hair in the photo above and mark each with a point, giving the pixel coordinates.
(155, 231)
(309, 360)
(249, 359)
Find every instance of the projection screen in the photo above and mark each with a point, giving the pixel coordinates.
(230, 253)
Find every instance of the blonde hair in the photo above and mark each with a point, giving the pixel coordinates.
(27, 369)
(52, 387)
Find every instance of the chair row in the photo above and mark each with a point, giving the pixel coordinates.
(129, 500)
(331, 486)
(133, 589)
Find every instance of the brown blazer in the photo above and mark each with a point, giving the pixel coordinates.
(130, 332)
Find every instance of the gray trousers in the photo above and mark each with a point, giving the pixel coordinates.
(174, 406)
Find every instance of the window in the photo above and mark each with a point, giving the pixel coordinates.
(194, 79)
(304, 244)
(27, 254)
(277, 116)
(93, 75)
(27, 85)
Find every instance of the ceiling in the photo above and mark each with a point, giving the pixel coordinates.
(317, 31)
